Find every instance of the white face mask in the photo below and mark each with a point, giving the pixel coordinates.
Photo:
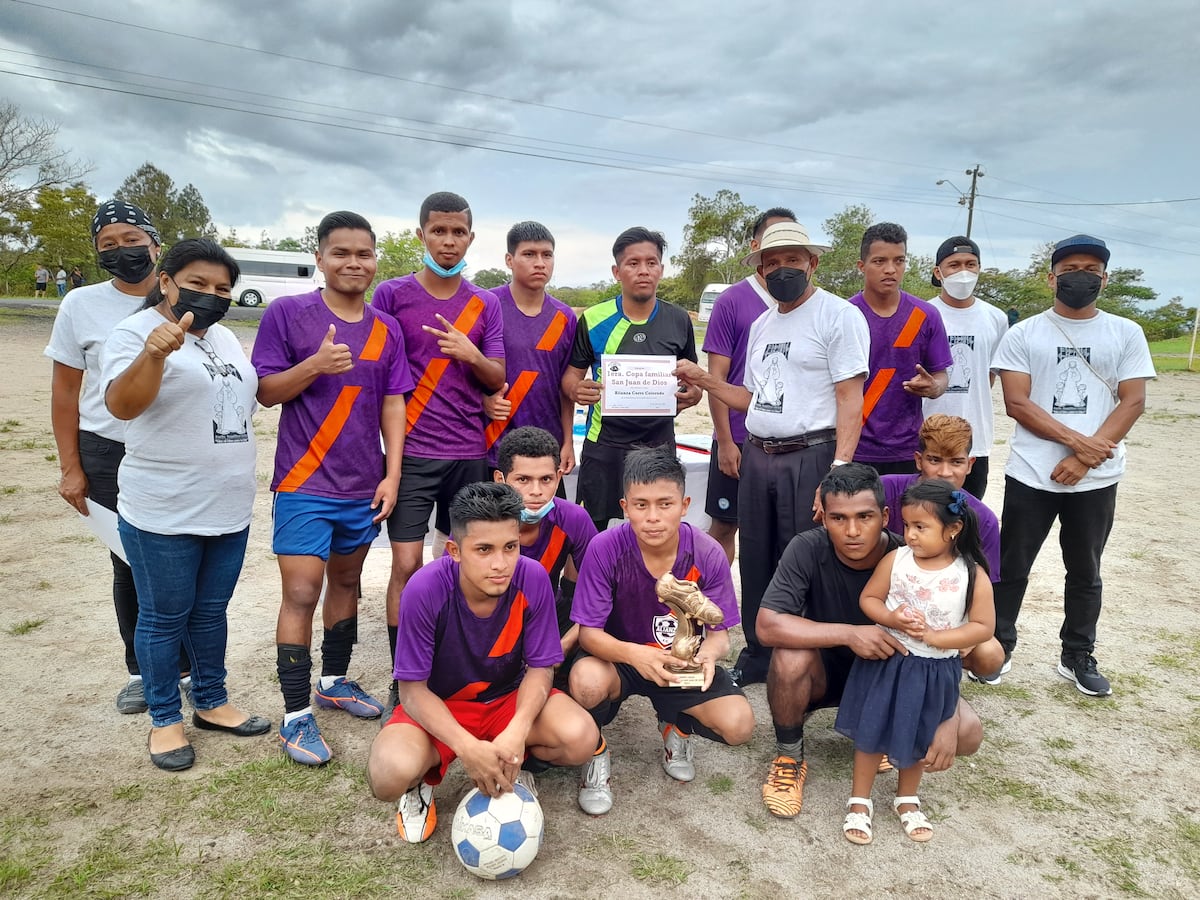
(961, 285)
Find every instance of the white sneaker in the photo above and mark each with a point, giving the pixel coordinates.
(416, 814)
(526, 780)
(677, 753)
(595, 791)
(993, 680)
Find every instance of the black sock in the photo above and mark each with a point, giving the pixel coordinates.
(604, 712)
(689, 725)
(337, 646)
(789, 741)
(294, 665)
(393, 635)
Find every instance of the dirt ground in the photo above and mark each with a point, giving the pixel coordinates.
(1069, 796)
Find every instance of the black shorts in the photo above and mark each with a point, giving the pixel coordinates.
(668, 702)
(424, 483)
(722, 499)
(599, 489)
(837, 662)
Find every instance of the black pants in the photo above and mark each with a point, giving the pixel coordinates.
(1085, 520)
(976, 481)
(100, 458)
(775, 500)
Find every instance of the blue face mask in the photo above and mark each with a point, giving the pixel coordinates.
(444, 273)
(533, 516)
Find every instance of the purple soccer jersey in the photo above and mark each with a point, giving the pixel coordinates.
(536, 352)
(567, 530)
(616, 592)
(892, 417)
(728, 332)
(464, 657)
(894, 487)
(328, 442)
(445, 411)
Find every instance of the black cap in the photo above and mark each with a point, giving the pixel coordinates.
(950, 246)
(1080, 243)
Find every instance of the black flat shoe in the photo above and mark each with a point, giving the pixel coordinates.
(173, 760)
(252, 726)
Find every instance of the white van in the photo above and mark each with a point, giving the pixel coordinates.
(708, 297)
(267, 274)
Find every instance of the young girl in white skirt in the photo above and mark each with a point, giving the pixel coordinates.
(938, 602)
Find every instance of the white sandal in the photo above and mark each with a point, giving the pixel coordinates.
(914, 820)
(857, 821)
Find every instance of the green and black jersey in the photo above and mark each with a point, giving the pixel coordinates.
(604, 328)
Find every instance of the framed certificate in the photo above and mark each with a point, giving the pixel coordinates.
(638, 385)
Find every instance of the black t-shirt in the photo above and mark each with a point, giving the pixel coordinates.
(812, 582)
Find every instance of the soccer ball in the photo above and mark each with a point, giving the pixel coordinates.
(497, 838)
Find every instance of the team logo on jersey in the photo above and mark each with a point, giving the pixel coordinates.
(664, 630)
(640, 337)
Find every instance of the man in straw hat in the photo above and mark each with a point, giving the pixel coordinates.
(806, 361)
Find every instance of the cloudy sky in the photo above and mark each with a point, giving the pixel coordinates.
(611, 114)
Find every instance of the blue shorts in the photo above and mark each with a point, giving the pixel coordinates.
(315, 526)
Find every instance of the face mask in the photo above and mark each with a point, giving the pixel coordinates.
(207, 309)
(131, 265)
(960, 285)
(787, 285)
(533, 516)
(1078, 289)
(444, 273)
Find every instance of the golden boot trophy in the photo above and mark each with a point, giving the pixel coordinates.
(692, 612)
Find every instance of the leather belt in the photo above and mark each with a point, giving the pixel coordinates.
(797, 442)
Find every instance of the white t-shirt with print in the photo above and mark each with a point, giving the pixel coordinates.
(974, 333)
(86, 317)
(189, 458)
(794, 359)
(1074, 367)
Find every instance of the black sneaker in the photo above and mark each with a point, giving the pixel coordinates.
(1081, 668)
(393, 701)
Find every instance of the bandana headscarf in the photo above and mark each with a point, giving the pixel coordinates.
(120, 211)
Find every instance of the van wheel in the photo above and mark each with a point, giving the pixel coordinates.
(250, 298)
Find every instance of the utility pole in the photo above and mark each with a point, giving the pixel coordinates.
(975, 173)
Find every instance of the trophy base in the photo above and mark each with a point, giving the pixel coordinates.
(689, 680)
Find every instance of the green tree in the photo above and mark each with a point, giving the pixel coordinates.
(399, 254)
(580, 297)
(838, 270)
(290, 243)
(490, 278)
(715, 239)
(265, 242)
(178, 213)
(229, 240)
(309, 242)
(1169, 320)
(60, 222)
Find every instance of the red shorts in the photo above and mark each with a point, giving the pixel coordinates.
(481, 720)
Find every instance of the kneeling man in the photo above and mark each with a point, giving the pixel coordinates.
(478, 643)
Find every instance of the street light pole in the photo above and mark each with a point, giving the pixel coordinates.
(975, 173)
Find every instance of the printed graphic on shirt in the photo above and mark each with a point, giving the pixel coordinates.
(768, 397)
(961, 347)
(1070, 390)
(230, 425)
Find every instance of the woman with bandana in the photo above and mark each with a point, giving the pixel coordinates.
(186, 390)
(90, 441)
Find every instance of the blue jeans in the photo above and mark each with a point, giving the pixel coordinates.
(184, 583)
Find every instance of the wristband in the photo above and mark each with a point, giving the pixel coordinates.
(838, 462)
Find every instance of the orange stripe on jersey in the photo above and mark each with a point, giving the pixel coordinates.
(516, 396)
(875, 390)
(558, 537)
(512, 628)
(911, 328)
(373, 348)
(692, 575)
(553, 332)
(321, 441)
(437, 366)
(470, 691)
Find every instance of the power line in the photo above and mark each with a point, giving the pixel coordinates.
(1083, 203)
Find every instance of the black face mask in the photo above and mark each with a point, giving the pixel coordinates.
(131, 265)
(206, 309)
(787, 285)
(1078, 289)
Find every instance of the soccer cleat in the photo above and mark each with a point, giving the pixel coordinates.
(526, 780)
(595, 791)
(393, 701)
(416, 814)
(677, 753)
(1081, 668)
(783, 791)
(302, 741)
(993, 680)
(348, 696)
(131, 699)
